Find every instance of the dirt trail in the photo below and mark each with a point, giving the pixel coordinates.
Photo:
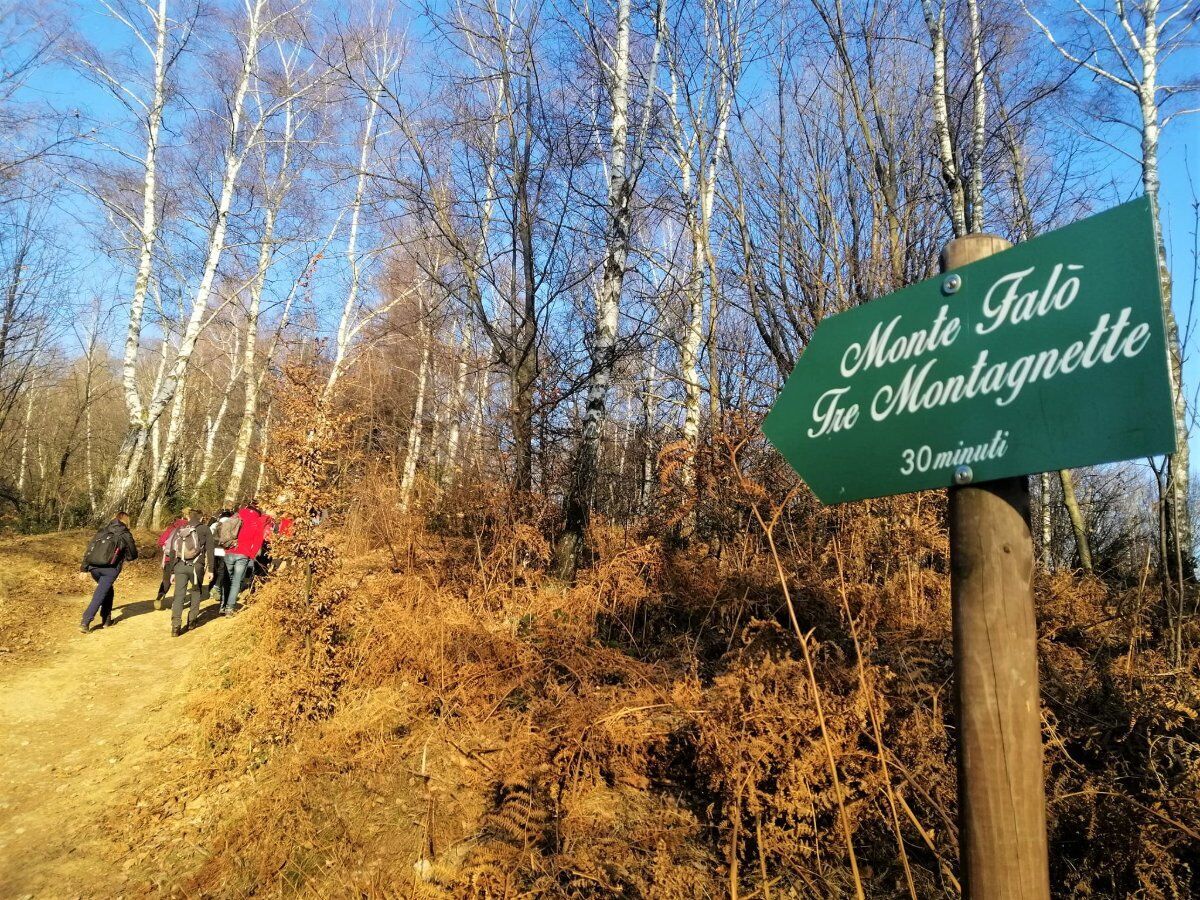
(81, 728)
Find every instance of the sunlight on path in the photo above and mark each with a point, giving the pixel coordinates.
(79, 728)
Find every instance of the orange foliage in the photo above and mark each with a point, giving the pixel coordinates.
(427, 714)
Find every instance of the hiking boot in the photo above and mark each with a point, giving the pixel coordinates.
(175, 631)
(85, 629)
(158, 603)
(107, 623)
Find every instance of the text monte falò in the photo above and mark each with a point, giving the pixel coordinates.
(1050, 355)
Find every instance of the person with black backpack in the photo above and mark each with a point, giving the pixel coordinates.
(191, 555)
(109, 550)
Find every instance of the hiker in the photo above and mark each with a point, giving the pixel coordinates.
(224, 527)
(239, 559)
(166, 564)
(191, 552)
(106, 553)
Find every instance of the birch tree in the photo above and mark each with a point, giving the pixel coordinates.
(213, 421)
(162, 37)
(239, 140)
(699, 110)
(413, 444)
(152, 508)
(624, 165)
(952, 179)
(297, 81)
(23, 470)
(1126, 46)
(368, 73)
(457, 408)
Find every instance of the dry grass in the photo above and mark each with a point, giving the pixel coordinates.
(36, 573)
(431, 716)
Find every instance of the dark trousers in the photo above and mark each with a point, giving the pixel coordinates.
(102, 597)
(166, 583)
(220, 579)
(188, 578)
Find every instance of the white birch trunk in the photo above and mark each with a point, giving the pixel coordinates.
(1133, 18)
(25, 440)
(235, 155)
(155, 435)
(346, 330)
(689, 346)
(951, 178)
(1179, 519)
(729, 66)
(698, 182)
(1047, 522)
(384, 63)
(434, 446)
(689, 352)
(974, 200)
(87, 457)
(649, 414)
(129, 455)
(152, 509)
(264, 434)
(457, 409)
(155, 445)
(621, 460)
(479, 417)
(414, 429)
(212, 426)
(245, 435)
(623, 169)
(40, 456)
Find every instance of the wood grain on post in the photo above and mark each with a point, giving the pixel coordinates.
(1001, 796)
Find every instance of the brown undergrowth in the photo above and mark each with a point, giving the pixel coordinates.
(415, 709)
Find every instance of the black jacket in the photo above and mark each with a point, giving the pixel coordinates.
(125, 541)
(204, 562)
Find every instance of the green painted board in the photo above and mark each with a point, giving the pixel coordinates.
(1049, 355)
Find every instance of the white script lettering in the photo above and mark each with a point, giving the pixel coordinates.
(882, 348)
(829, 416)
(1015, 307)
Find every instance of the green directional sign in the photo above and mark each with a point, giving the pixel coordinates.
(1049, 355)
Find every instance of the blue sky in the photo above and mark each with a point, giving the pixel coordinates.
(1180, 150)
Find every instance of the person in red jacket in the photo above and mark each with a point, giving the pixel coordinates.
(239, 559)
(167, 567)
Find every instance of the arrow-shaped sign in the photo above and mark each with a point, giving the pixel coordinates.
(1049, 355)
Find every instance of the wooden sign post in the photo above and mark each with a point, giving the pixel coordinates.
(1049, 355)
(1001, 796)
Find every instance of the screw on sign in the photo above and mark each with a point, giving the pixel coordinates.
(1049, 355)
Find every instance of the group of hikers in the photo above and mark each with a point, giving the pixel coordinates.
(228, 548)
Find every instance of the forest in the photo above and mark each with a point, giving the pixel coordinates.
(490, 297)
